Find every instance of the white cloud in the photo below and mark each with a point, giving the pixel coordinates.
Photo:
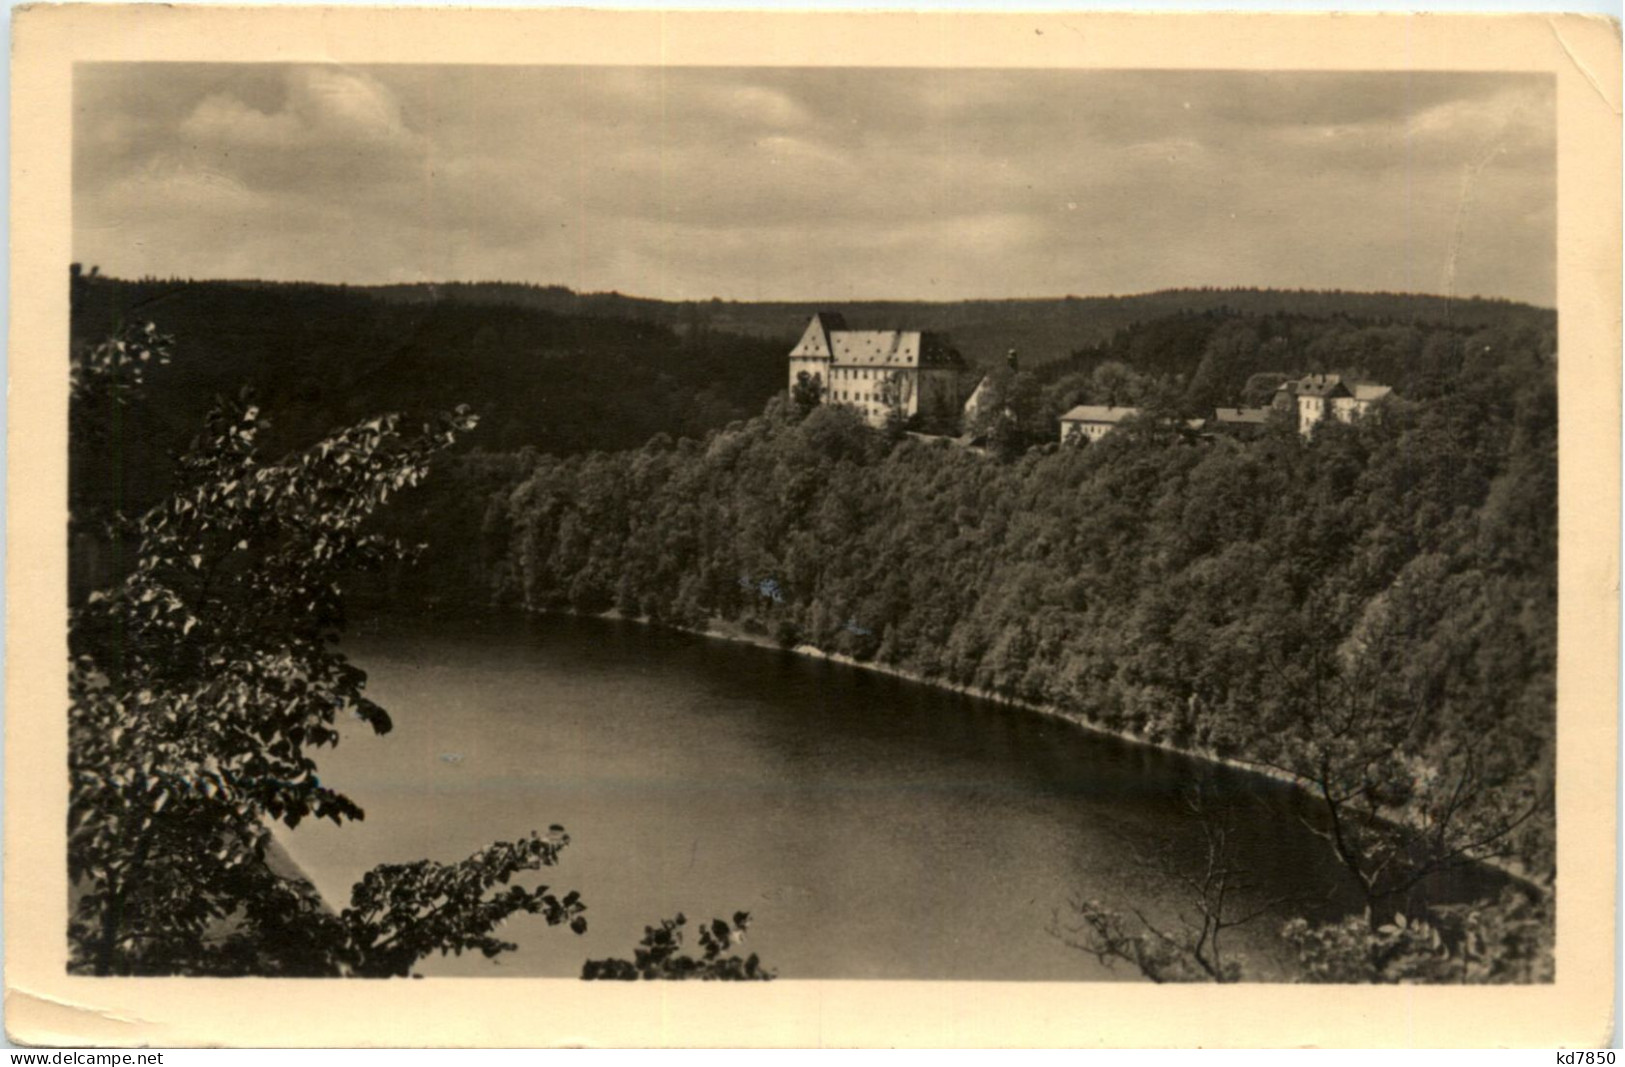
(819, 183)
(760, 105)
(323, 108)
(227, 119)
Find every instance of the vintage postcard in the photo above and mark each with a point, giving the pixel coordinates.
(774, 529)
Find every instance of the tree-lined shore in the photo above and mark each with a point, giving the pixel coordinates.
(1372, 611)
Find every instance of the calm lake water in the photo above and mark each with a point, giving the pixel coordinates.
(873, 827)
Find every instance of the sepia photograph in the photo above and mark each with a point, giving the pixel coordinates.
(1056, 525)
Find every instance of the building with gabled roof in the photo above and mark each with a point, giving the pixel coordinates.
(978, 398)
(1091, 422)
(1319, 395)
(877, 371)
(1286, 397)
(1315, 394)
(1242, 422)
(813, 354)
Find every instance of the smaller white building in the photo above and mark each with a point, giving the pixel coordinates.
(1239, 421)
(1091, 422)
(1358, 403)
(1320, 395)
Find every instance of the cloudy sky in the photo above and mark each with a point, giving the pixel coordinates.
(819, 184)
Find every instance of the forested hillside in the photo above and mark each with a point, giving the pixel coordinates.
(1043, 330)
(566, 372)
(1186, 365)
(1373, 611)
(563, 372)
(319, 357)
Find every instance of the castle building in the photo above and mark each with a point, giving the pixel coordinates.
(917, 373)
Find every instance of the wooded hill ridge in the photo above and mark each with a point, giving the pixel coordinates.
(564, 372)
(1041, 329)
(1370, 610)
(320, 356)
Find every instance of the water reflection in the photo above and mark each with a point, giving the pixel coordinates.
(874, 827)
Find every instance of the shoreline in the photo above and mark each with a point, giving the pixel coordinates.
(733, 633)
(720, 629)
